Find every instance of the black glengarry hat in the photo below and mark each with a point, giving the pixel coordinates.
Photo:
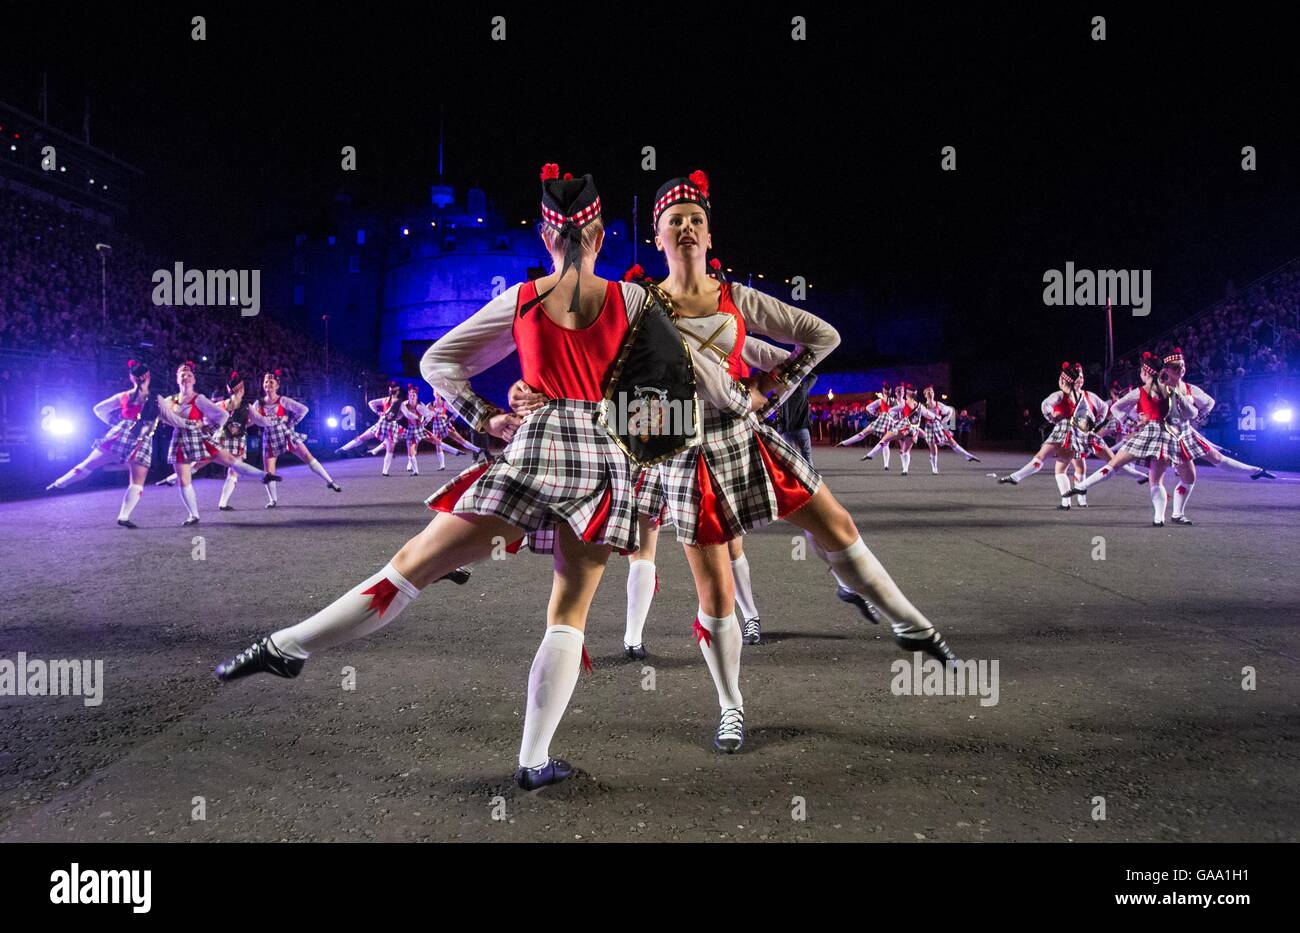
(694, 189)
(568, 205)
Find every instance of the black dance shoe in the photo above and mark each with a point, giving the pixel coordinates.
(272, 504)
(973, 459)
(635, 652)
(1142, 481)
(192, 520)
(869, 457)
(1062, 508)
(553, 772)
(1262, 474)
(271, 478)
(335, 486)
(260, 657)
(127, 523)
(459, 576)
(1009, 479)
(752, 632)
(1076, 491)
(1181, 520)
(868, 611)
(225, 508)
(932, 644)
(731, 732)
(1157, 524)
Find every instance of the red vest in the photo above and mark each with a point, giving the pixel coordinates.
(564, 363)
(735, 365)
(130, 412)
(1151, 409)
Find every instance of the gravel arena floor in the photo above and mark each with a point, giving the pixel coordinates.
(1121, 678)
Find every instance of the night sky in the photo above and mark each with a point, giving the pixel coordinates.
(824, 155)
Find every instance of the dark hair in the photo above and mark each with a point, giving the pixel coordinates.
(137, 369)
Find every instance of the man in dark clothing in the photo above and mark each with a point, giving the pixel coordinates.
(792, 418)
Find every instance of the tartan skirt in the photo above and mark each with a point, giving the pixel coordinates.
(1152, 440)
(191, 444)
(560, 468)
(277, 438)
(438, 425)
(237, 447)
(882, 423)
(419, 435)
(390, 430)
(1073, 439)
(130, 441)
(650, 500)
(934, 433)
(742, 476)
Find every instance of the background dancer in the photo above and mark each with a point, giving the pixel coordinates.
(192, 416)
(132, 417)
(904, 426)
(277, 415)
(379, 406)
(935, 416)
(880, 424)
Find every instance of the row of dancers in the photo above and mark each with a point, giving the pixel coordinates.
(203, 431)
(900, 418)
(1155, 424)
(568, 487)
(412, 422)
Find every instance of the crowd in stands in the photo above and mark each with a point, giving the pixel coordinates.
(50, 302)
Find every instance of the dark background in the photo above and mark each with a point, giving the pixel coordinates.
(824, 154)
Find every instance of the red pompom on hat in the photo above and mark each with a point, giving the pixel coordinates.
(715, 263)
(568, 176)
(700, 180)
(634, 274)
(550, 170)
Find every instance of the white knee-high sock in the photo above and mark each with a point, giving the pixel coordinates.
(228, 488)
(76, 474)
(884, 455)
(319, 469)
(551, 680)
(1131, 470)
(366, 608)
(1101, 474)
(872, 452)
(1029, 469)
(129, 501)
(640, 593)
(858, 569)
(1063, 484)
(1159, 499)
(243, 466)
(720, 641)
(952, 442)
(905, 458)
(442, 458)
(744, 591)
(413, 463)
(934, 461)
(388, 460)
(189, 500)
(1182, 492)
(1227, 463)
(376, 449)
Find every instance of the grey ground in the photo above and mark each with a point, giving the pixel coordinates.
(1119, 678)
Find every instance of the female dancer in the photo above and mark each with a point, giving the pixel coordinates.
(277, 415)
(560, 472)
(379, 406)
(904, 425)
(1166, 409)
(878, 410)
(391, 429)
(231, 437)
(190, 414)
(744, 474)
(132, 417)
(439, 423)
(935, 429)
(1075, 413)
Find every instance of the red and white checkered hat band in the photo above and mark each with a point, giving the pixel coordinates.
(678, 193)
(1174, 358)
(580, 219)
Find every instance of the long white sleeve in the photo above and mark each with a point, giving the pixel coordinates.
(377, 405)
(1048, 407)
(168, 413)
(477, 343)
(813, 338)
(109, 407)
(1204, 401)
(1125, 404)
(762, 355)
(213, 413)
(256, 417)
(296, 409)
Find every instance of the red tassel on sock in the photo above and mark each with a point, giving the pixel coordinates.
(656, 581)
(702, 634)
(381, 595)
(586, 660)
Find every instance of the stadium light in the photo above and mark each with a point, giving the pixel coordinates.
(332, 422)
(406, 231)
(1283, 415)
(59, 426)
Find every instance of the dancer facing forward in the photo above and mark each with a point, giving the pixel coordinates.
(132, 417)
(904, 426)
(935, 429)
(1167, 408)
(278, 415)
(192, 417)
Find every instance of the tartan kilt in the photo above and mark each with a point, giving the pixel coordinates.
(934, 434)
(418, 435)
(130, 441)
(438, 425)
(881, 425)
(277, 438)
(191, 443)
(561, 467)
(237, 447)
(742, 476)
(906, 427)
(1151, 440)
(650, 500)
(1072, 439)
(390, 430)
